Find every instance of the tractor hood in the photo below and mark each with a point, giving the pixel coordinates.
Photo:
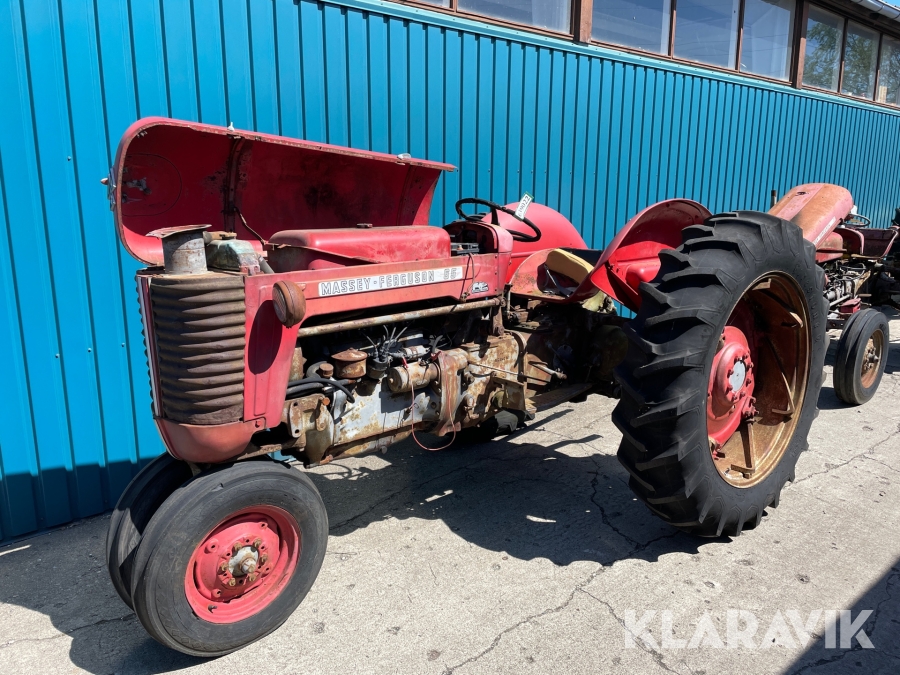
(171, 173)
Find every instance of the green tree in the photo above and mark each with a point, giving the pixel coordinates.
(859, 65)
(823, 50)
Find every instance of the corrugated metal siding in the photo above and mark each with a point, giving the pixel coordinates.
(595, 134)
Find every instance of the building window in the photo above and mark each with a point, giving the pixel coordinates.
(860, 61)
(706, 31)
(822, 62)
(553, 15)
(768, 38)
(755, 37)
(889, 72)
(640, 24)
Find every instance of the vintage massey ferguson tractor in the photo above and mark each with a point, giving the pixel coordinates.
(298, 302)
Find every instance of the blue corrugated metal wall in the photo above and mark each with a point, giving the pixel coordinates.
(593, 133)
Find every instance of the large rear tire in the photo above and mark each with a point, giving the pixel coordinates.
(721, 380)
(229, 556)
(861, 356)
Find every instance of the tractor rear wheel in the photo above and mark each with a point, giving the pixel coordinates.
(229, 556)
(722, 376)
(861, 356)
(143, 496)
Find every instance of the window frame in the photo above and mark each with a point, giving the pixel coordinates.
(581, 25)
(735, 70)
(576, 18)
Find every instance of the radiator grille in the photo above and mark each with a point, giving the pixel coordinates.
(200, 338)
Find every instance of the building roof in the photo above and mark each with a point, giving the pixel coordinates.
(889, 10)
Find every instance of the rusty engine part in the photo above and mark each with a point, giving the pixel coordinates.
(350, 364)
(440, 373)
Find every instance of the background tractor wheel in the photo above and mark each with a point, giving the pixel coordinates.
(143, 496)
(722, 376)
(861, 356)
(229, 556)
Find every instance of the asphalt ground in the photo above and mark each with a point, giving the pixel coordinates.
(530, 555)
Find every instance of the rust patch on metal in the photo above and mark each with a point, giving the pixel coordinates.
(349, 364)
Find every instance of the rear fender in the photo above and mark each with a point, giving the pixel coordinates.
(633, 254)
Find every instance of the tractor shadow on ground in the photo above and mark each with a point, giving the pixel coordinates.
(563, 499)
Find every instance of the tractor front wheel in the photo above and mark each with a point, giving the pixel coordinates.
(141, 499)
(861, 356)
(722, 376)
(229, 556)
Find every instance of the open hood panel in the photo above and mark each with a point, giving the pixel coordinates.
(170, 173)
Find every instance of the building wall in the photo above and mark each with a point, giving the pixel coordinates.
(594, 133)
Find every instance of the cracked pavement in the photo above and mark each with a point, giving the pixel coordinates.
(525, 555)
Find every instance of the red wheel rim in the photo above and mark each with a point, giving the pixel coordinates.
(243, 564)
(757, 383)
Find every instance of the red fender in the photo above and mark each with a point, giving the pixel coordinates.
(633, 254)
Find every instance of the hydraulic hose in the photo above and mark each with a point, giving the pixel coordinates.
(312, 383)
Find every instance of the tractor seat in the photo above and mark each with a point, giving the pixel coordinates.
(294, 250)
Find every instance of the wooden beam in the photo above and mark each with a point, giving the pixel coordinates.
(800, 54)
(582, 20)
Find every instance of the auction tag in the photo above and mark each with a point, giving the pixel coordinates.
(524, 203)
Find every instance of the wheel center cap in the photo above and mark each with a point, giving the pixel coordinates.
(737, 377)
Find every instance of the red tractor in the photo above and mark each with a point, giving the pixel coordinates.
(298, 302)
(859, 264)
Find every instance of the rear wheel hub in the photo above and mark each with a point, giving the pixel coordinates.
(757, 380)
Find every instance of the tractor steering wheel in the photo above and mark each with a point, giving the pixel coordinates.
(495, 208)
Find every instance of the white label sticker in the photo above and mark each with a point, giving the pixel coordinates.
(384, 282)
(524, 203)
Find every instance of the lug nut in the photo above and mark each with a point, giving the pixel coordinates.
(236, 546)
(257, 542)
(251, 578)
(232, 582)
(263, 559)
(223, 568)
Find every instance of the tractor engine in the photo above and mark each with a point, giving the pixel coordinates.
(360, 381)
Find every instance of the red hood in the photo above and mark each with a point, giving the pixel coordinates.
(170, 172)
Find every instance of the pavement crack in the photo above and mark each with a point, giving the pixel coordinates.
(886, 466)
(863, 454)
(552, 610)
(657, 656)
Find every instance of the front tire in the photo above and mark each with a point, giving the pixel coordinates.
(861, 356)
(721, 380)
(229, 556)
(140, 500)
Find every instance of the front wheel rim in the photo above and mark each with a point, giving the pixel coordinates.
(871, 361)
(758, 380)
(243, 564)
